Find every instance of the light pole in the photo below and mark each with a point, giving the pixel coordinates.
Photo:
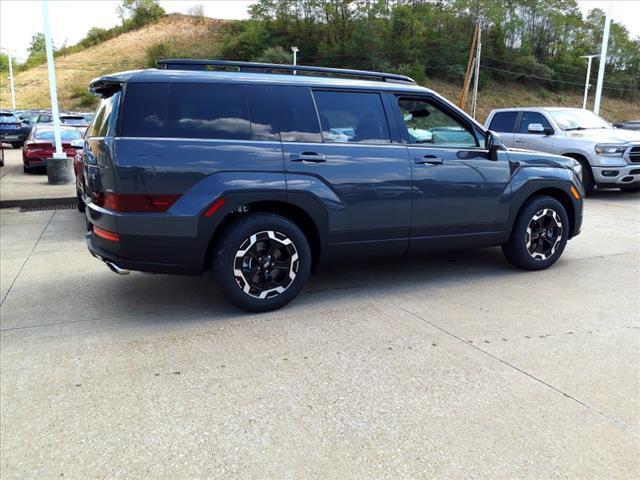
(603, 60)
(59, 167)
(295, 51)
(13, 92)
(586, 84)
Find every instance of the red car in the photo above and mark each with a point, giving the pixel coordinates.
(39, 145)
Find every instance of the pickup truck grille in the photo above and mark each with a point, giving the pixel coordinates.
(634, 154)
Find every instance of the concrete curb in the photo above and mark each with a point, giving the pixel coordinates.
(37, 202)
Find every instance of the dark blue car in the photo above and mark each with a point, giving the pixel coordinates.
(11, 129)
(262, 176)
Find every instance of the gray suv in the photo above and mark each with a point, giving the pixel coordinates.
(610, 157)
(260, 176)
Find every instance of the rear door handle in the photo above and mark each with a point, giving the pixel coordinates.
(308, 157)
(519, 140)
(428, 160)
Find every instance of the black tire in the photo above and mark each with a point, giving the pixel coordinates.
(16, 144)
(79, 202)
(236, 238)
(630, 189)
(587, 177)
(25, 169)
(518, 248)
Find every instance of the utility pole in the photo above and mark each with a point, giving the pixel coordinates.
(13, 92)
(59, 168)
(603, 59)
(586, 83)
(470, 63)
(474, 102)
(295, 51)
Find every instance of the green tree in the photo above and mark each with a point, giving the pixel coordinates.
(275, 55)
(143, 12)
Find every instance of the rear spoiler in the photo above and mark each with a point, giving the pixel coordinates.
(104, 86)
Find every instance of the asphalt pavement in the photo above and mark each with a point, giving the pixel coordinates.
(449, 366)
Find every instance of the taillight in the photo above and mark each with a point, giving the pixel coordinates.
(134, 203)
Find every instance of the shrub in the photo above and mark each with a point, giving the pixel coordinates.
(158, 51)
(275, 55)
(83, 98)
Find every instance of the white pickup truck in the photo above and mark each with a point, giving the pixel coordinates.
(610, 157)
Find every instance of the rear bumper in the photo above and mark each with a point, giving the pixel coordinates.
(122, 266)
(617, 176)
(11, 137)
(157, 242)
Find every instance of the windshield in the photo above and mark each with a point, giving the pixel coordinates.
(578, 119)
(8, 118)
(64, 135)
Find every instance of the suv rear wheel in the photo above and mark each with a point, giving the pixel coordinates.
(539, 234)
(262, 261)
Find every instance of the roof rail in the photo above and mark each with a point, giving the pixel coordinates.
(193, 64)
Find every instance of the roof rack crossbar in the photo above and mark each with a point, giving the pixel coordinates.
(194, 64)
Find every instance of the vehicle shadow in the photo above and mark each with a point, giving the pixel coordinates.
(162, 298)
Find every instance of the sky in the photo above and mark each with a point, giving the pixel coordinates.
(71, 19)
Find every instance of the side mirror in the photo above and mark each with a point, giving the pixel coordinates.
(493, 143)
(535, 128)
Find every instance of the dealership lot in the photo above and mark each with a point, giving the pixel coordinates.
(448, 366)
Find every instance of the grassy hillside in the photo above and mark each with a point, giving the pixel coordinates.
(198, 36)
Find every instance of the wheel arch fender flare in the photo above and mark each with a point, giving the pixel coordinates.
(558, 189)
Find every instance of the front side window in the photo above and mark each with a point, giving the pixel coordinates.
(503, 122)
(347, 117)
(427, 124)
(532, 117)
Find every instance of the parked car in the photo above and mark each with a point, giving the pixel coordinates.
(10, 129)
(630, 125)
(262, 176)
(610, 157)
(40, 145)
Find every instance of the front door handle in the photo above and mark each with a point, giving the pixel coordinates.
(519, 140)
(308, 157)
(428, 160)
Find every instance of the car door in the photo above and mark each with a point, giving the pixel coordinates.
(534, 140)
(504, 123)
(456, 189)
(343, 154)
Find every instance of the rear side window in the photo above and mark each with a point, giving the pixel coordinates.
(352, 117)
(298, 118)
(186, 110)
(503, 122)
(532, 117)
(264, 123)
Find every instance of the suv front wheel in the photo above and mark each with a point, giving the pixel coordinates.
(539, 234)
(262, 261)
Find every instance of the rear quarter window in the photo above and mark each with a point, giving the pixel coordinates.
(503, 122)
(186, 110)
(102, 120)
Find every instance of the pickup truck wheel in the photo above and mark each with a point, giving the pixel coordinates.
(587, 177)
(261, 261)
(539, 234)
(630, 189)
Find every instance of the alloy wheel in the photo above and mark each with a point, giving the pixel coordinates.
(544, 233)
(266, 264)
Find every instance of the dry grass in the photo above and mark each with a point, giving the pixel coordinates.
(518, 95)
(125, 52)
(187, 34)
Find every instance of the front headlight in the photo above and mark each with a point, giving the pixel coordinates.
(610, 150)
